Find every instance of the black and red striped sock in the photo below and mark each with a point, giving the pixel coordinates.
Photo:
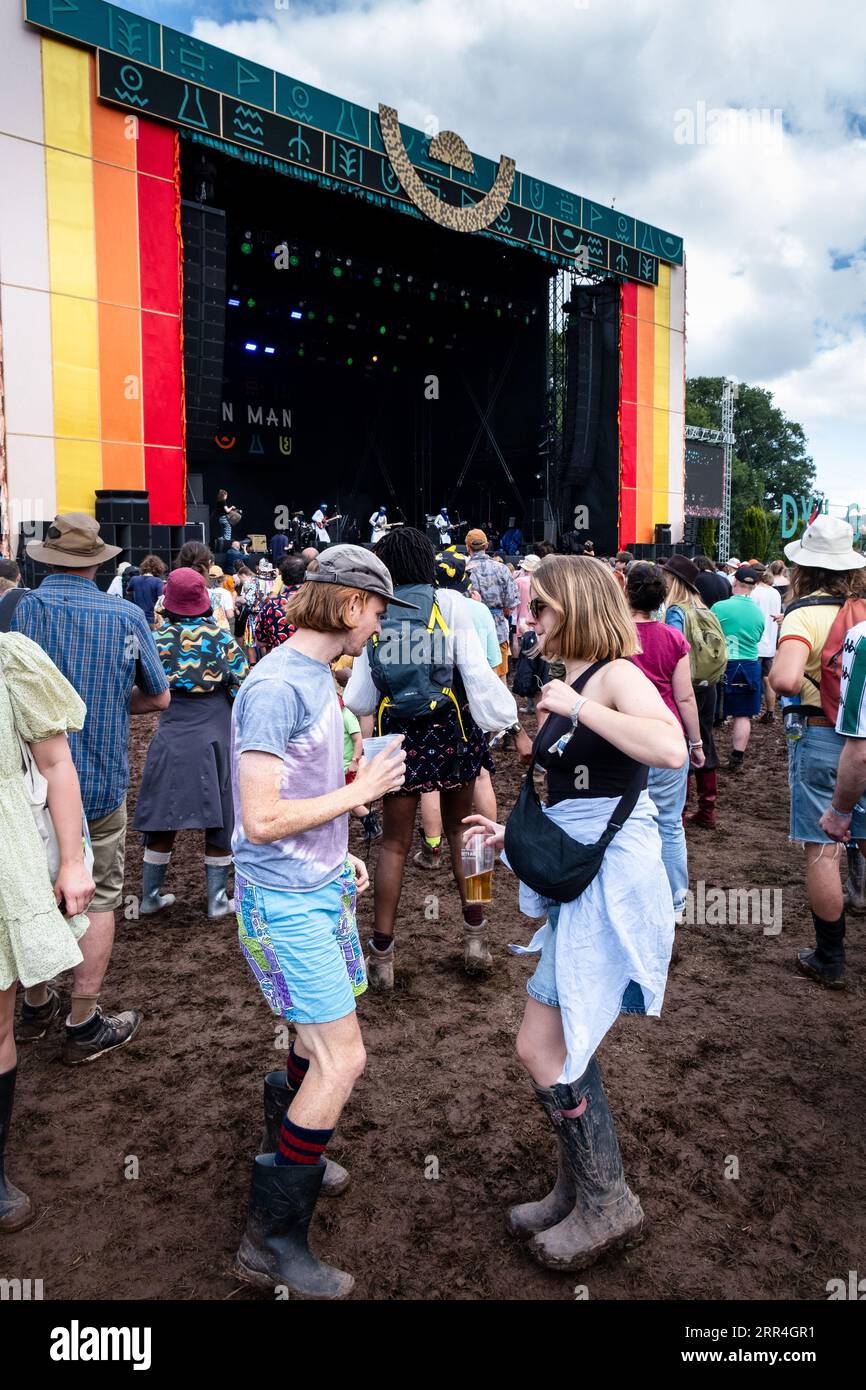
(296, 1069)
(298, 1145)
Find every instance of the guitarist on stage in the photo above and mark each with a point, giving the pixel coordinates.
(379, 523)
(321, 523)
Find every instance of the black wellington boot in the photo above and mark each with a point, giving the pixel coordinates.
(606, 1213)
(531, 1217)
(274, 1248)
(826, 963)
(278, 1098)
(15, 1208)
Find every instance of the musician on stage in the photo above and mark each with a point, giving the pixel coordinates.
(443, 525)
(379, 524)
(321, 521)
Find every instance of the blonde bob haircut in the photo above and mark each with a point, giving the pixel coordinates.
(322, 607)
(594, 622)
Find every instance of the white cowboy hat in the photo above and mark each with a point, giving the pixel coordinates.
(530, 563)
(827, 545)
(732, 564)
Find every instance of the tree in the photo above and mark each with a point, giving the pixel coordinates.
(754, 536)
(707, 536)
(767, 443)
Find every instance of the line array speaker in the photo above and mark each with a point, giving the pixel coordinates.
(204, 311)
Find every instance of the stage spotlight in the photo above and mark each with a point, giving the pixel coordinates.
(294, 260)
(296, 314)
(435, 284)
(430, 339)
(251, 304)
(349, 361)
(300, 352)
(395, 369)
(270, 351)
(378, 270)
(247, 248)
(336, 271)
(432, 294)
(377, 280)
(486, 298)
(330, 318)
(317, 254)
(311, 313)
(251, 347)
(234, 303)
(499, 313)
(409, 279)
(348, 260)
(396, 286)
(382, 328)
(375, 358)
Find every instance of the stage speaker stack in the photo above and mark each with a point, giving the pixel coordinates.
(204, 311)
(590, 458)
(690, 530)
(663, 533)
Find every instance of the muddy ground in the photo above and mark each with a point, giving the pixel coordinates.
(749, 1061)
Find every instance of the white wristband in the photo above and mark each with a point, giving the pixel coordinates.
(576, 708)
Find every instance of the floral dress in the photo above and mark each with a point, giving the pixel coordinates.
(36, 941)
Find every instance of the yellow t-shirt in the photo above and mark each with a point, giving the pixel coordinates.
(810, 625)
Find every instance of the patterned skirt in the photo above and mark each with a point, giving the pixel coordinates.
(438, 758)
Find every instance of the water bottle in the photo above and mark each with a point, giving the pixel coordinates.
(791, 721)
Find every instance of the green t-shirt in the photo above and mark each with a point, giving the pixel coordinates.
(743, 625)
(350, 727)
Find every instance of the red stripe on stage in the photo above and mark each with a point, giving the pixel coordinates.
(158, 245)
(164, 480)
(155, 149)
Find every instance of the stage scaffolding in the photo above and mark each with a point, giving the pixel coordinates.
(558, 295)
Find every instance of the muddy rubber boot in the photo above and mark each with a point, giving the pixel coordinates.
(427, 857)
(218, 904)
(380, 967)
(530, 1218)
(15, 1207)
(826, 963)
(152, 877)
(274, 1248)
(606, 1214)
(854, 891)
(278, 1098)
(476, 953)
(707, 784)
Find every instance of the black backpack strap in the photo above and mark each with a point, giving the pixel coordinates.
(813, 602)
(8, 603)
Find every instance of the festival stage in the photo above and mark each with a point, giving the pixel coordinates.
(216, 275)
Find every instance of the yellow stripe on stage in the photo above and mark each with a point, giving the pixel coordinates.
(66, 93)
(79, 472)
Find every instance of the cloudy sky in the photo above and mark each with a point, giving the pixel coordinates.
(624, 100)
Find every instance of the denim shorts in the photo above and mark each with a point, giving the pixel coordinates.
(812, 763)
(303, 948)
(743, 688)
(542, 985)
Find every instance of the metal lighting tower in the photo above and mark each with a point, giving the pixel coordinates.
(729, 395)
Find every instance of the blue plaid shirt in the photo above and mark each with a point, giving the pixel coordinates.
(104, 647)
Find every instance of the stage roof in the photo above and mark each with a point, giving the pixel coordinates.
(274, 120)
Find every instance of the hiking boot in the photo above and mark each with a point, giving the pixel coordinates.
(380, 967)
(830, 974)
(16, 1209)
(101, 1033)
(35, 1020)
(218, 904)
(427, 857)
(476, 953)
(372, 826)
(274, 1249)
(606, 1214)
(278, 1098)
(152, 876)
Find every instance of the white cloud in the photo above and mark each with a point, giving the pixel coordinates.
(588, 99)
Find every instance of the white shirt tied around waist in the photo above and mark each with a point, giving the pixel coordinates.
(621, 928)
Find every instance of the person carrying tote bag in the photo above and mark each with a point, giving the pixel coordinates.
(590, 863)
(41, 912)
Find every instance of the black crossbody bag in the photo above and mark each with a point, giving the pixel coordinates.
(543, 855)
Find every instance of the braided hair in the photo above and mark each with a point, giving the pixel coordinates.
(408, 554)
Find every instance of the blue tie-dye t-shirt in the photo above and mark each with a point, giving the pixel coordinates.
(288, 706)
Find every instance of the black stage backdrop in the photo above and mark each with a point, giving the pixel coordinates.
(590, 473)
(391, 342)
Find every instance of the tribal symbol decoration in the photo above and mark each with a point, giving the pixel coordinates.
(447, 145)
(223, 441)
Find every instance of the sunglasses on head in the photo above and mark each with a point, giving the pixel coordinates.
(537, 607)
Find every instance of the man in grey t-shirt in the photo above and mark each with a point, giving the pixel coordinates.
(295, 888)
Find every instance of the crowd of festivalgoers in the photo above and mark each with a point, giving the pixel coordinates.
(270, 680)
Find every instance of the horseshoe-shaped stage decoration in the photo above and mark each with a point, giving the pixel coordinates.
(468, 219)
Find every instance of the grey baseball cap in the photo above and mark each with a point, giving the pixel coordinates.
(356, 568)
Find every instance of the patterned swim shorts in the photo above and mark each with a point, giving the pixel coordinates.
(303, 948)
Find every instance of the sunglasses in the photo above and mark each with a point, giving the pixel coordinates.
(537, 607)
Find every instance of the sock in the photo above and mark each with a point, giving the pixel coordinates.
(296, 1145)
(36, 997)
(381, 942)
(83, 1009)
(157, 856)
(434, 841)
(222, 861)
(473, 914)
(296, 1069)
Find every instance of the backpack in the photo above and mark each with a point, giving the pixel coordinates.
(708, 656)
(408, 662)
(851, 612)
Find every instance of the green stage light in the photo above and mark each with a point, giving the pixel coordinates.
(466, 304)
(330, 318)
(336, 271)
(349, 361)
(377, 280)
(395, 369)
(294, 260)
(430, 339)
(432, 294)
(499, 313)
(396, 286)
(311, 313)
(382, 328)
(251, 304)
(300, 352)
(247, 248)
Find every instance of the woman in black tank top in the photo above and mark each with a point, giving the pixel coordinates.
(608, 949)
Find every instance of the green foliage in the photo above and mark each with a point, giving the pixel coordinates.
(754, 534)
(707, 538)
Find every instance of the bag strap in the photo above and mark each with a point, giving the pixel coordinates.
(584, 676)
(8, 603)
(813, 602)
